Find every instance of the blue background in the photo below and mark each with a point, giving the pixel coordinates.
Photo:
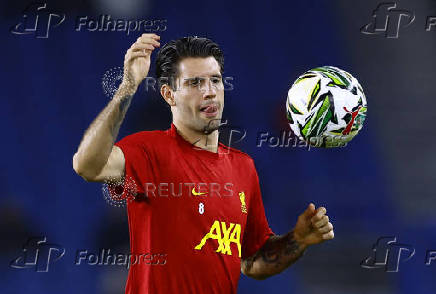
(381, 184)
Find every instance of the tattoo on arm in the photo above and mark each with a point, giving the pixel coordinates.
(278, 248)
(292, 245)
(124, 100)
(247, 264)
(278, 253)
(124, 103)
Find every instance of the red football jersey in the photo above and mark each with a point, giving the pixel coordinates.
(195, 215)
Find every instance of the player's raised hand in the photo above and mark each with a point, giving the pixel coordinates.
(137, 59)
(313, 226)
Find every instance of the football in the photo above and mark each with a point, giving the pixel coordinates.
(326, 107)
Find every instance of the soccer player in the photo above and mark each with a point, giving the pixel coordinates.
(197, 219)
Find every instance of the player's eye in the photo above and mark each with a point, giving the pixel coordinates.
(194, 82)
(216, 80)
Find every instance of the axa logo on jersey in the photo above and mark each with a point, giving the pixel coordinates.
(224, 235)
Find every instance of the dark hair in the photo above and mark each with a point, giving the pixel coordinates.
(170, 55)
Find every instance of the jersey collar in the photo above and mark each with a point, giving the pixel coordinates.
(194, 149)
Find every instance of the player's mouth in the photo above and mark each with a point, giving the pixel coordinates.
(210, 110)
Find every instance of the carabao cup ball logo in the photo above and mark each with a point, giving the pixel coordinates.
(326, 107)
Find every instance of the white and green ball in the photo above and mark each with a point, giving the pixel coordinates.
(326, 107)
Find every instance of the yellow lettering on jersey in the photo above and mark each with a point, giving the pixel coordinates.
(235, 237)
(211, 235)
(224, 244)
(230, 234)
(243, 205)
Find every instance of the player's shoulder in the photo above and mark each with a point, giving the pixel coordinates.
(143, 137)
(238, 154)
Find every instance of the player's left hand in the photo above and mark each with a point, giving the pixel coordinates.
(313, 226)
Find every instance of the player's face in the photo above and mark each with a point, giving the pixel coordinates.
(199, 96)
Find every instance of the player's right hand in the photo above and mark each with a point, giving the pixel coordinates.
(313, 226)
(137, 59)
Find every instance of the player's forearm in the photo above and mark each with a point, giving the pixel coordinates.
(277, 254)
(99, 138)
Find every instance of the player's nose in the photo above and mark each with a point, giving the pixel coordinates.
(209, 90)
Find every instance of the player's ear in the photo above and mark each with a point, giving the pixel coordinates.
(167, 94)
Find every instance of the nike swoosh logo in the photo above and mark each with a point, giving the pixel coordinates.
(197, 194)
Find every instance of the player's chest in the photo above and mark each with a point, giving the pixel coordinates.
(202, 191)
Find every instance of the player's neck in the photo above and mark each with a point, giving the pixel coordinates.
(207, 142)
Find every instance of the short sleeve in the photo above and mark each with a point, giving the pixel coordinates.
(257, 230)
(137, 165)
